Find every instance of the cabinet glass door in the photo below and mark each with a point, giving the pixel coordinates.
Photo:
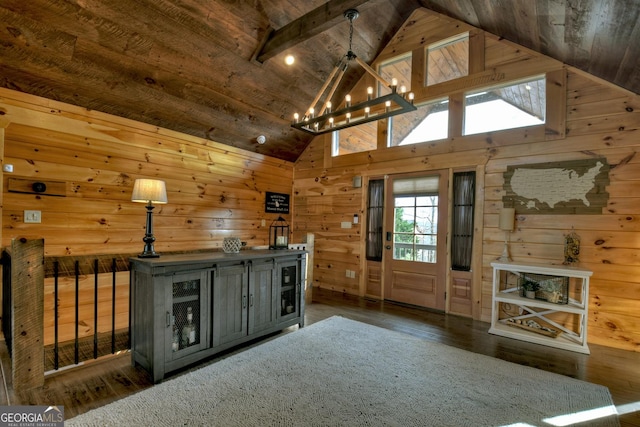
(187, 313)
(289, 290)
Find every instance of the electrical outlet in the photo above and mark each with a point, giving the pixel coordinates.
(32, 217)
(345, 224)
(348, 273)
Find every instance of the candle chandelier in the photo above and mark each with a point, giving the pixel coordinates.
(324, 119)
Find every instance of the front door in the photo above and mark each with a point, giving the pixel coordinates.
(415, 240)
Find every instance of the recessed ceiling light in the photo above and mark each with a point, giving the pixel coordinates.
(289, 60)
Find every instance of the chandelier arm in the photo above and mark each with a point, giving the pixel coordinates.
(324, 86)
(371, 71)
(334, 88)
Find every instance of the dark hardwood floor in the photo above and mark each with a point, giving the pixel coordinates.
(98, 383)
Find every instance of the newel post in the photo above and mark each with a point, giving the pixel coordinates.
(27, 288)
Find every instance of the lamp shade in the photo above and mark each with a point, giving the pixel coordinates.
(149, 190)
(507, 219)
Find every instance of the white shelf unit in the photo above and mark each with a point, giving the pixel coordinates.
(507, 300)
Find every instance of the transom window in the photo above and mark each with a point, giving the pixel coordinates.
(505, 107)
(429, 122)
(448, 60)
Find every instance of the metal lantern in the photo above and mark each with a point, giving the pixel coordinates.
(279, 234)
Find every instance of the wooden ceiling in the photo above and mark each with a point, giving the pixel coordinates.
(215, 69)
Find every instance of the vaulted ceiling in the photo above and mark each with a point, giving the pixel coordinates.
(215, 69)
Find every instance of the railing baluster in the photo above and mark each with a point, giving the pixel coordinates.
(113, 305)
(56, 349)
(95, 309)
(76, 356)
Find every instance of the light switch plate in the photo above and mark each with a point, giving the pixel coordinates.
(32, 217)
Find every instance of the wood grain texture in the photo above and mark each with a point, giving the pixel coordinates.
(215, 191)
(97, 384)
(587, 119)
(27, 290)
(189, 66)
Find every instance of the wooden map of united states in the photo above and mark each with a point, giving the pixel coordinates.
(562, 187)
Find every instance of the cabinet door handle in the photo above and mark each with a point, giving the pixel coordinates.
(244, 301)
(171, 319)
(251, 300)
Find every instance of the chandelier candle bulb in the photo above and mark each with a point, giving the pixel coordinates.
(348, 117)
(347, 100)
(331, 121)
(369, 93)
(411, 96)
(311, 111)
(296, 116)
(328, 106)
(387, 106)
(367, 110)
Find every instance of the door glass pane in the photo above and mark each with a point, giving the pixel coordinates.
(186, 312)
(415, 227)
(288, 300)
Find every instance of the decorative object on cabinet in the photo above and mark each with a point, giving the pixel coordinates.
(231, 245)
(558, 313)
(529, 288)
(191, 306)
(553, 289)
(371, 109)
(149, 191)
(279, 234)
(571, 249)
(506, 223)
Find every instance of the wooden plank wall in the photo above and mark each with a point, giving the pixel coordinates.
(587, 118)
(214, 191)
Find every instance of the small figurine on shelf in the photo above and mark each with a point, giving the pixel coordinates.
(571, 248)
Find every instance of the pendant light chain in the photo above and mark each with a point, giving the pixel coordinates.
(351, 35)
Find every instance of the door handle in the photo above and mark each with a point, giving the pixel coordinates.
(387, 247)
(171, 319)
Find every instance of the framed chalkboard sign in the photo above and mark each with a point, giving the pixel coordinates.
(276, 203)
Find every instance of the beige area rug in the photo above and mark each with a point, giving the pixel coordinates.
(340, 372)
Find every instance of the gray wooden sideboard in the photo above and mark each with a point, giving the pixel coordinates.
(185, 308)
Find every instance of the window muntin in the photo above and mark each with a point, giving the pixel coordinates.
(505, 107)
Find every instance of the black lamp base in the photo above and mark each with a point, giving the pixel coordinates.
(148, 239)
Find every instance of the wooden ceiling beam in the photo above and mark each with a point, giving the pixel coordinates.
(313, 23)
